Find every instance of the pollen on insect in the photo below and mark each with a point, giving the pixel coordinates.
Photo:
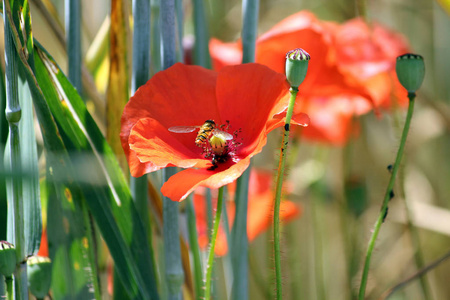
(221, 147)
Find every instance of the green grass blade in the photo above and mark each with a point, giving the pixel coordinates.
(239, 239)
(139, 76)
(155, 27)
(3, 137)
(69, 237)
(250, 10)
(16, 223)
(172, 253)
(73, 41)
(29, 156)
(110, 202)
(201, 47)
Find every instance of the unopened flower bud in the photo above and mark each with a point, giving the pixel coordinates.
(296, 66)
(7, 258)
(410, 70)
(39, 270)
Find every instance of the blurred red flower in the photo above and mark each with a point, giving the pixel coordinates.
(259, 215)
(350, 71)
(242, 99)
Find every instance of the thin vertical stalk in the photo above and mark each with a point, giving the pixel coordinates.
(9, 288)
(209, 210)
(73, 41)
(155, 27)
(168, 33)
(388, 195)
(179, 30)
(209, 266)
(13, 114)
(250, 9)
(239, 238)
(172, 254)
(239, 247)
(172, 258)
(201, 47)
(279, 185)
(140, 73)
(193, 243)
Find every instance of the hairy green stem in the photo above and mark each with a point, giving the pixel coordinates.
(388, 195)
(210, 264)
(279, 185)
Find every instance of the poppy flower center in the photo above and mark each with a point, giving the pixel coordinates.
(217, 143)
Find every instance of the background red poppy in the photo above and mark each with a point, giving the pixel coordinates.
(334, 90)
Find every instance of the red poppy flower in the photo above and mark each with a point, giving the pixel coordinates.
(259, 216)
(241, 100)
(331, 95)
(368, 53)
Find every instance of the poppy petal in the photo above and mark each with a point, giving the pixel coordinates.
(173, 97)
(180, 185)
(258, 94)
(154, 144)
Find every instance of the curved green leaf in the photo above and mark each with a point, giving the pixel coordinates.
(101, 179)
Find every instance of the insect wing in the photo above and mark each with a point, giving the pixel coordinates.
(183, 129)
(222, 134)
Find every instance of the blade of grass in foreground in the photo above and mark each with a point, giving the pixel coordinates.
(16, 230)
(121, 248)
(110, 202)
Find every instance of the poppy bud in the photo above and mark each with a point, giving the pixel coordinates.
(39, 270)
(296, 66)
(410, 70)
(7, 258)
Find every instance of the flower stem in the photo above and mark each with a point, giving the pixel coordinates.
(209, 266)
(388, 195)
(276, 213)
(9, 288)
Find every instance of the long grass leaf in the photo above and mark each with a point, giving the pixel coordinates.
(16, 223)
(239, 248)
(110, 202)
(114, 236)
(73, 41)
(29, 156)
(201, 47)
(31, 194)
(3, 137)
(172, 254)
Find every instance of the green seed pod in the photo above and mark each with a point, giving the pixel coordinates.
(39, 270)
(7, 258)
(410, 70)
(296, 66)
